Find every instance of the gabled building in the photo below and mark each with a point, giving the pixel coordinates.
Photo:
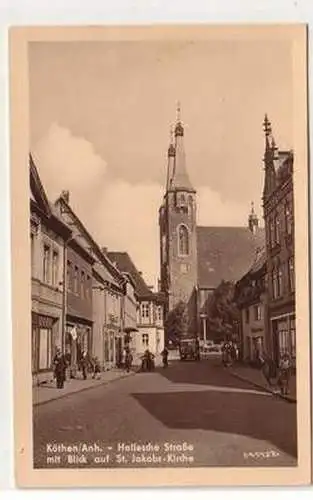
(149, 332)
(95, 289)
(195, 260)
(278, 205)
(48, 237)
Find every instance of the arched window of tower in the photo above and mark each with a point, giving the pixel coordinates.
(183, 240)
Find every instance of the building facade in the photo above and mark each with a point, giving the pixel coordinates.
(251, 298)
(278, 205)
(149, 331)
(48, 234)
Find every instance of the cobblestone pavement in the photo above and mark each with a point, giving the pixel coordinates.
(190, 414)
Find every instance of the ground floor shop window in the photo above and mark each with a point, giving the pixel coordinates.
(42, 341)
(285, 333)
(45, 348)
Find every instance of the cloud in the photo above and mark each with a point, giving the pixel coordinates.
(68, 162)
(214, 211)
(119, 215)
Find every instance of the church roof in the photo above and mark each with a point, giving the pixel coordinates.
(226, 253)
(126, 265)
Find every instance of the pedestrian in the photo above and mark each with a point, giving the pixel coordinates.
(96, 369)
(284, 374)
(83, 364)
(164, 355)
(59, 363)
(128, 359)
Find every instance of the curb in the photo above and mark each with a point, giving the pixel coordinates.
(260, 386)
(65, 395)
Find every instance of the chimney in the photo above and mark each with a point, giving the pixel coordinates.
(104, 250)
(66, 196)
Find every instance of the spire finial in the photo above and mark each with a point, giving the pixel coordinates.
(267, 126)
(178, 111)
(252, 207)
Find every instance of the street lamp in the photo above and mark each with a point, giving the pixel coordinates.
(204, 316)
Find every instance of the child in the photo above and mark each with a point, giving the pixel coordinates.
(96, 369)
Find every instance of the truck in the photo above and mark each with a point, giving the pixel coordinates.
(189, 349)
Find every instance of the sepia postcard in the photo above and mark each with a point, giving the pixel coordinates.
(160, 255)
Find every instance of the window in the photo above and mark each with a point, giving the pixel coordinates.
(159, 313)
(183, 240)
(288, 217)
(88, 287)
(275, 284)
(76, 274)
(257, 312)
(280, 281)
(271, 233)
(276, 229)
(145, 310)
(293, 338)
(277, 281)
(32, 253)
(55, 268)
(44, 349)
(247, 315)
(69, 276)
(291, 274)
(145, 339)
(83, 283)
(46, 264)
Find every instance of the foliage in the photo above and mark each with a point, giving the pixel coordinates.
(224, 314)
(176, 323)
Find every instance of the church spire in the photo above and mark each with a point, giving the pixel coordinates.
(269, 159)
(180, 179)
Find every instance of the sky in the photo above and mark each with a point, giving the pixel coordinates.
(100, 119)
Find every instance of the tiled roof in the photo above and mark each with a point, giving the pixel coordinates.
(126, 265)
(226, 253)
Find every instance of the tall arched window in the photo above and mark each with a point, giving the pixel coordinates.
(183, 240)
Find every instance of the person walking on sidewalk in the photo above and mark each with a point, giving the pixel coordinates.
(164, 355)
(84, 364)
(284, 374)
(59, 363)
(96, 368)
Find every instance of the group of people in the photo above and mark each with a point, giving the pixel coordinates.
(230, 353)
(277, 375)
(61, 362)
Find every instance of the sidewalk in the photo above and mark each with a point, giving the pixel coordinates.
(255, 377)
(48, 392)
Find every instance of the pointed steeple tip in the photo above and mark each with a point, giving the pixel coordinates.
(267, 126)
(179, 129)
(171, 150)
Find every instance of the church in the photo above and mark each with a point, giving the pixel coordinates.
(194, 259)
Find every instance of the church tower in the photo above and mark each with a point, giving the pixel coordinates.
(178, 238)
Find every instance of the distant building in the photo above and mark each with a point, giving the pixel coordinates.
(250, 297)
(149, 325)
(48, 234)
(195, 260)
(278, 204)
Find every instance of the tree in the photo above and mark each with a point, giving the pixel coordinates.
(224, 314)
(176, 323)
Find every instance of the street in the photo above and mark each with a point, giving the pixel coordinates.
(190, 414)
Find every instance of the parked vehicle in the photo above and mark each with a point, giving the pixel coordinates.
(211, 351)
(189, 349)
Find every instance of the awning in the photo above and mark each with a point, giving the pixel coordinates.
(130, 329)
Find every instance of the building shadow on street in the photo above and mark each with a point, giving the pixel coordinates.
(205, 372)
(250, 415)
